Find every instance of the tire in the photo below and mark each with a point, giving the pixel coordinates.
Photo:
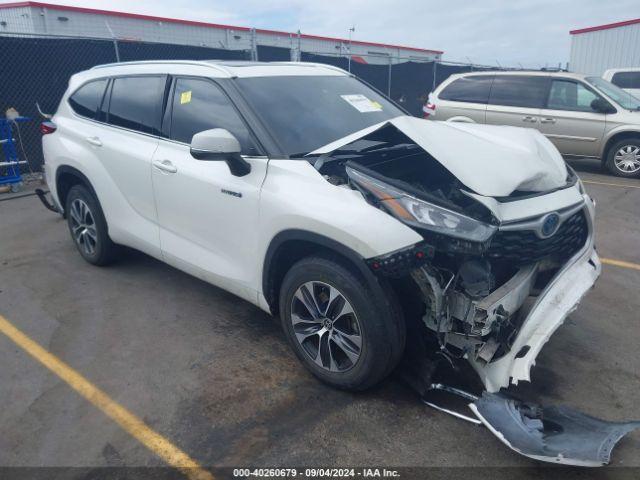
(359, 349)
(88, 227)
(624, 166)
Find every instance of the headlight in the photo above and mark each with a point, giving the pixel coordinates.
(419, 213)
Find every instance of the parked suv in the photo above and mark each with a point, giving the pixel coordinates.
(305, 192)
(583, 116)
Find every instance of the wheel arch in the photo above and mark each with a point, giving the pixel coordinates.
(289, 246)
(66, 177)
(460, 119)
(616, 137)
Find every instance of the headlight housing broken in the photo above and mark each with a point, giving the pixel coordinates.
(422, 214)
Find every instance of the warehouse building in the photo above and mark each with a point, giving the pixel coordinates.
(48, 19)
(596, 49)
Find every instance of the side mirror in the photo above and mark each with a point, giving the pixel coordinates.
(600, 105)
(220, 144)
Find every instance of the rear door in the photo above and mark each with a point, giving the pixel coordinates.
(464, 99)
(516, 100)
(125, 142)
(568, 119)
(207, 216)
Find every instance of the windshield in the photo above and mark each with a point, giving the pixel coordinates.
(615, 93)
(307, 112)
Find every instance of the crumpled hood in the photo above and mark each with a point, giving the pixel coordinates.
(493, 161)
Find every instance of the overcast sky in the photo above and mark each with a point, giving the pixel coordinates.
(531, 32)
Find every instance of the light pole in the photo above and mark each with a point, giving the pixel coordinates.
(351, 30)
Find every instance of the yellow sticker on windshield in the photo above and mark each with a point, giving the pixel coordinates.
(185, 97)
(362, 103)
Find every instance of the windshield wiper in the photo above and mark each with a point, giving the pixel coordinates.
(347, 154)
(300, 155)
(399, 146)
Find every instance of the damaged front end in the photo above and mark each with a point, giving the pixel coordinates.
(506, 256)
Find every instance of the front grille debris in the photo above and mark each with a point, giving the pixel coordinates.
(521, 247)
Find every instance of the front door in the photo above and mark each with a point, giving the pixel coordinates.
(569, 121)
(207, 216)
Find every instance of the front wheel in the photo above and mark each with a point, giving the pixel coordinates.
(337, 326)
(623, 158)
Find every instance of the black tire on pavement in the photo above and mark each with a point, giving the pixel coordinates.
(620, 166)
(374, 334)
(88, 227)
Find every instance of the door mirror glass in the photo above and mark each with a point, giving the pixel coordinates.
(220, 144)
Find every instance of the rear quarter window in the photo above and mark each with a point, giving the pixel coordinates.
(87, 99)
(468, 89)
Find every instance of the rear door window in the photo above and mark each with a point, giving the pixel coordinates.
(87, 99)
(570, 95)
(136, 103)
(626, 79)
(472, 89)
(199, 105)
(519, 91)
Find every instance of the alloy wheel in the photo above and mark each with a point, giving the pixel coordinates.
(326, 326)
(83, 226)
(627, 159)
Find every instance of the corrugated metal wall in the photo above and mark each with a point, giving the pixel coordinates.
(20, 19)
(41, 20)
(594, 52)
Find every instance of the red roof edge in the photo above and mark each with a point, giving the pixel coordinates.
(202, 24)
(605, 27)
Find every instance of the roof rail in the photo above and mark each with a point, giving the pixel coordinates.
(219, 64)
(161, 62)
(324, 65)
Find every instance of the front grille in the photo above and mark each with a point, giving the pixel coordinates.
(523, 246)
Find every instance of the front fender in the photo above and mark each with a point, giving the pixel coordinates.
(296, 196)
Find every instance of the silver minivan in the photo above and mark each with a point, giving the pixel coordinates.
(584, 116)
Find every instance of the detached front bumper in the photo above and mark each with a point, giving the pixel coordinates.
(553, 305)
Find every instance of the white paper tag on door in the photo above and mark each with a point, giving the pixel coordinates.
(362, 103)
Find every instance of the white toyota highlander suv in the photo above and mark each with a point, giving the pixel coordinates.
(304, 191)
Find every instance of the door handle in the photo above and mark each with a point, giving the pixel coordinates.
(529, 118)
(165, 166)
(548, 120)
(95, 141)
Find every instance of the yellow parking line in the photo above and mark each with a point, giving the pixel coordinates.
(611, 184)
(155, 442)
(620, 263)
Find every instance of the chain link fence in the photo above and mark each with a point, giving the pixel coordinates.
(36, 70)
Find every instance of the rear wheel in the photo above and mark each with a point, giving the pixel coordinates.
(88, 226)
(336, 325)
(623, 158)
